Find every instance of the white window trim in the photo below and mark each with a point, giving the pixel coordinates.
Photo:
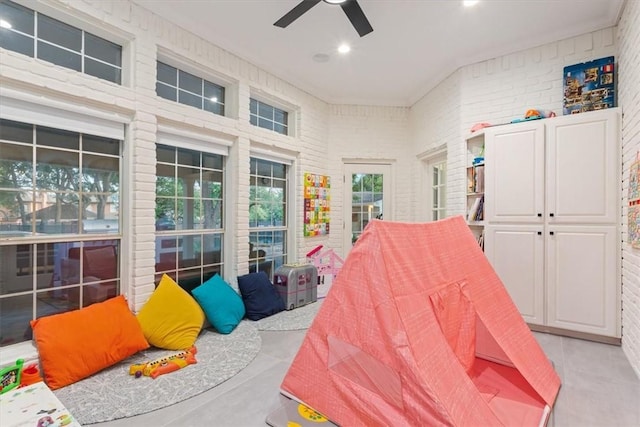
(292, 109)
(196, 141)
(95, 26)
(37, 110)
(181, 63)
(41, 111)
(427, 158)
(290, 160)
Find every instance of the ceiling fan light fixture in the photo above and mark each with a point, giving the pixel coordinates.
(335, 1)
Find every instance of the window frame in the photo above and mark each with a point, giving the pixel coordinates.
(290, 214)
(429, 160)
(166, 56)
(185, 140)
(37, 116)
(115, 37)
(290, 108)
(256, 119)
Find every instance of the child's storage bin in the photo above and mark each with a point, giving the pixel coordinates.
(297, 284)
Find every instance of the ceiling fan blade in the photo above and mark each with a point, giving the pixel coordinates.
(356, 16)
(296, 13)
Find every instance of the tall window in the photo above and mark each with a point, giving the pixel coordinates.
(438, 187)
(177, 85)
(189, 215)
(267, 215)
(59, 223)
(268, 117)
(39, 36)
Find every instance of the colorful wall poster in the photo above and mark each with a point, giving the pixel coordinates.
(589, 86)
(316, 204)
(634, 204)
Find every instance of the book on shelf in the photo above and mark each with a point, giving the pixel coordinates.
(471, 180)
(476, 212)
(479, 178)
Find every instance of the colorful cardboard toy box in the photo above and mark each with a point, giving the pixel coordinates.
(589, 86)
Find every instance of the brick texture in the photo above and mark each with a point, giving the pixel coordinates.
(629, 78)
(326, 136)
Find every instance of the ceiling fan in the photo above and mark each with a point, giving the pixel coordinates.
(350, 7)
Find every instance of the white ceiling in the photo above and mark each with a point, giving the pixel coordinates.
(415, 43)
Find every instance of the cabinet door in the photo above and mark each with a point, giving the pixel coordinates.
(514, 173)
(516, 253)
(582, 279)
(583, 168)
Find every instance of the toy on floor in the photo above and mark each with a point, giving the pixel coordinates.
(30, 375)
(164, 365)
(10, 376)
(328, 264)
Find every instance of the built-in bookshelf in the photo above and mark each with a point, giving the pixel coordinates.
(475, 184)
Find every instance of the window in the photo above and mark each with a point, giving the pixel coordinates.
(437, 187)
(59, 223)
(268, 117)
(39, 36)
(268, 215)
(189, 215)
(177, 85)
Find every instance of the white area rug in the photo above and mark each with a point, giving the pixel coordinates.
(113, 393)
(290, 320)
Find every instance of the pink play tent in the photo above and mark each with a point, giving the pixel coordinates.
(418, 330)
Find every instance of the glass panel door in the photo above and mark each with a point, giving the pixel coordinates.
(367, 187)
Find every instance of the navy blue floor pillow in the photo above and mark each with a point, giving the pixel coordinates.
(261, 299)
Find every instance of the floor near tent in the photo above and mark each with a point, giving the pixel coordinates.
(292, 413)
(599, 388)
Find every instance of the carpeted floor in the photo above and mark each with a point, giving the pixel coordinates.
(290, 320)
(113, 393)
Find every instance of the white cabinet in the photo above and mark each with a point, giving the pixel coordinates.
(552, 212)
(516, 253)
(582, 279)
(582, 169)
(514, 176)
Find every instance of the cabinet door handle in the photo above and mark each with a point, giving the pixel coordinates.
(539, 215)
(551, 215)
(551, 232)
(539, 233)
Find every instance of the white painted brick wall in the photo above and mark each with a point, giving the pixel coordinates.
(136, 99)
(495, 91)
(629, 82)
(435, 123)
(367, 133)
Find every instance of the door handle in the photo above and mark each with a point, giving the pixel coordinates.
(551, 215)
(539, 215)
(539, 233)
(551, 232)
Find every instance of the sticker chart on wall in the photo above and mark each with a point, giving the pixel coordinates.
(634, 203)
(316, 204)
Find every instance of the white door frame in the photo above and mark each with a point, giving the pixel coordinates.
(364, 167)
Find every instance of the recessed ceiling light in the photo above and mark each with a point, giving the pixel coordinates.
(469, 3)
(5, 24)
(344, 48)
